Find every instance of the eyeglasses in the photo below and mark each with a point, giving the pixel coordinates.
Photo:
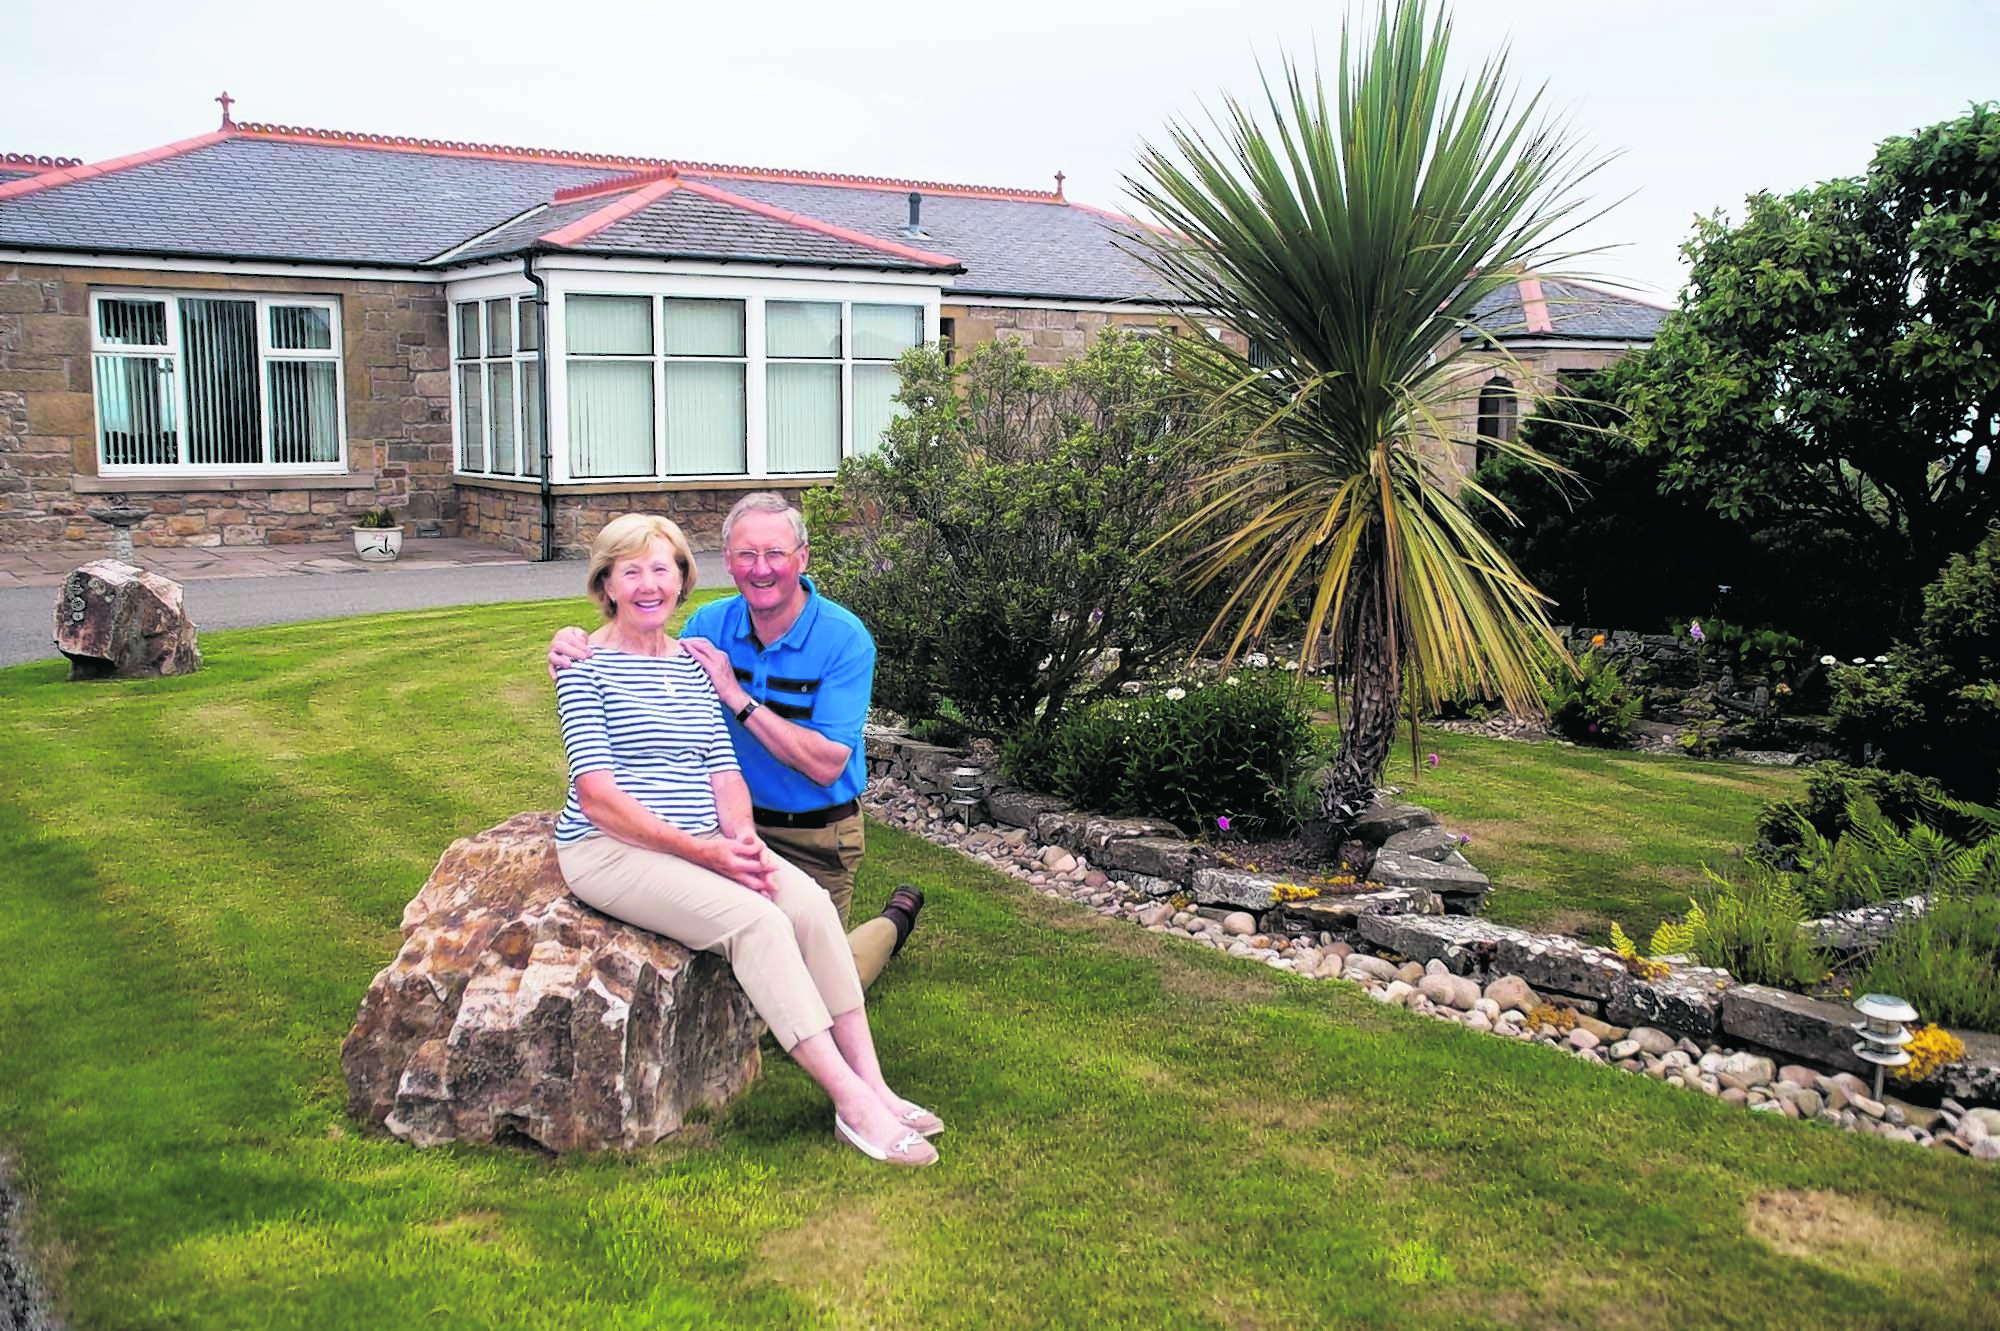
(751, 558)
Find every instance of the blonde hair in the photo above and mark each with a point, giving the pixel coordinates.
(624, 537)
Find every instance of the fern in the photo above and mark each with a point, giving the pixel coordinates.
(1682, 939)
(1625, 946)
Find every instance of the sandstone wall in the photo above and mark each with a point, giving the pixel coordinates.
(1052, 336)
(508, 515)
(397, 366)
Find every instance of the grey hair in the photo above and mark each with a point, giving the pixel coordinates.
(763, 501)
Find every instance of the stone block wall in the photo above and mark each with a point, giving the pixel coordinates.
(396, 362)
(508, 514)
(1051, 335)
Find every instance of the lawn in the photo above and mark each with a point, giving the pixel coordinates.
(1575, 838)
(198, 877)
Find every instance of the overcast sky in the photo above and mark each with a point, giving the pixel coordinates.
(1702, 101)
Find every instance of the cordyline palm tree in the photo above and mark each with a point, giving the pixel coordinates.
(1350, 249)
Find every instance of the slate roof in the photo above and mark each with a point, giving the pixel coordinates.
(1572, 309)
(20, 166)
(253, 191)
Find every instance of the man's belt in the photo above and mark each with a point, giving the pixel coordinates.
(811, 818)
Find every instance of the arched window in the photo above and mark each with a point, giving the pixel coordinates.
(1499, 414)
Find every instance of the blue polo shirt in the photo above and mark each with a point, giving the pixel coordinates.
(818, 675)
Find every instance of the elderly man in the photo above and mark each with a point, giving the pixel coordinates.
(794, 670)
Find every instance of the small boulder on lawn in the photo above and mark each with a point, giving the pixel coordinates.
(115, 619)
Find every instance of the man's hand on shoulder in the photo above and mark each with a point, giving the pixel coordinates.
(721, 674)
(569, 646)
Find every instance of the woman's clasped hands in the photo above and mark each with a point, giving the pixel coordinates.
(743, 858)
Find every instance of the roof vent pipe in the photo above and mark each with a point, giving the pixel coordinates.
(915, 228)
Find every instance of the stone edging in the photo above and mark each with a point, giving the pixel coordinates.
(1124, 868)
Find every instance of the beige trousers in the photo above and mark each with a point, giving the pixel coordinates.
(788, 953)
(830, 856)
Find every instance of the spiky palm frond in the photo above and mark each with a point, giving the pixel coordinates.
(1350, 245)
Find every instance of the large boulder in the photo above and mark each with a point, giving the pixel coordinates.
(116, 619)
(513, 1012)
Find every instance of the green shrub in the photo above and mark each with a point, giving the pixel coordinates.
(1003, 544)
(1595, 705)
(1933, 707)
(1751, 929)
(1945, 963)
(1239, 748)
(1904, 798)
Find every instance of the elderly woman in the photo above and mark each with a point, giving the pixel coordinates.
(657, 832)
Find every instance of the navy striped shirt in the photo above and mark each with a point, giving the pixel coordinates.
(655, 724)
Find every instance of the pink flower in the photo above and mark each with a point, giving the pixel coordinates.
(1694, 631)
(1464, 839)
(1223, 822)
(1432, 759)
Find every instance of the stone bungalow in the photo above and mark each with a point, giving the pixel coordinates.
(258, 332)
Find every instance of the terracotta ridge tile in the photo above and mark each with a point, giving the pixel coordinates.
(613, 184)
(37, 162)
(71, 174)
(929, 258)
(612, 213)
(562, 156)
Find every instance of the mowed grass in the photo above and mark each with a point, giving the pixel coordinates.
(1576, 839)
(198, 878)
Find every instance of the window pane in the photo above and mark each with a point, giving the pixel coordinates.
(610, 418)
(874, 404)
(611, 325)
(468, 329)
(500, 327)
(219, 340)
(703, 327)
(531, 325)
(705, 428)
(132, 323)
(471, 419)
(803, 418)
(500, 386)
(135, 410)
(305, 411)
(884, 332)
(801, 328)
(531, 418)
(301, 328)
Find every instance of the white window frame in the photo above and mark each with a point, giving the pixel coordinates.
(266, 354)
(585, 278)
(521, 306)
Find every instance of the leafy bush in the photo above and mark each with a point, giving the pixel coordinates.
(1595, 705)
(1945, 963)
(1001, 543)
(1934, 706)
(1748, 651)
(1240, 750)
(1832, 789)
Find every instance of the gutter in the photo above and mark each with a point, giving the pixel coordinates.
(542, 391)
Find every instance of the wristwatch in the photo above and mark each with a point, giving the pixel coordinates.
(743, 716)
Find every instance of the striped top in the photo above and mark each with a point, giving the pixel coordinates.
(655, 724)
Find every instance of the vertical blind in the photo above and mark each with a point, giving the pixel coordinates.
(610, 418)
(881, 334)
(802, 417)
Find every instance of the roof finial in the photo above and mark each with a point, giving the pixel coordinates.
(1059, 180)
(227, 102)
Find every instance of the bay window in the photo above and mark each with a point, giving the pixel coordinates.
(216, 384)
(497, 381)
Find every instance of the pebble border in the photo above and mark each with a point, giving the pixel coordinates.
(1501, 1008)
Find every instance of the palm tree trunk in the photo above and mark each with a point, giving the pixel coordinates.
(1369, 728)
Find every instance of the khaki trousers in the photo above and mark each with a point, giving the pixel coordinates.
(788, 953)
(830, 856)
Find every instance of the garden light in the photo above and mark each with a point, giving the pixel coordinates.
(1884, 1033)
(968, 792)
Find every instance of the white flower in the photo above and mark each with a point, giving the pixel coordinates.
(1829, 659)
(1232, 681)
(1291, 665)
(1043, 664)
(1176, 694)
(1257, 659)
(1881, 660)
(1861, 660)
